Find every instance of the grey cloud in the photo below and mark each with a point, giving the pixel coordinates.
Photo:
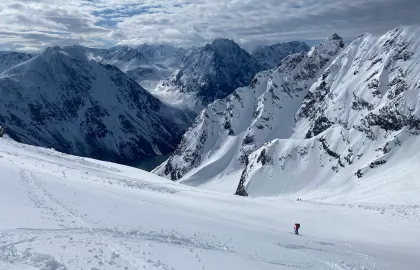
(188, 23)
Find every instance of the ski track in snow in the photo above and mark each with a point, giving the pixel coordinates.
(411, 212)
(92, 215)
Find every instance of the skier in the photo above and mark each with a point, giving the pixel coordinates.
(297, 226)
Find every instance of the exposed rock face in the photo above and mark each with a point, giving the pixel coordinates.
(317, 125)
(209, 73)
(252, 115)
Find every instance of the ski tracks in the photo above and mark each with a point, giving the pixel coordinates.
(338, 256)
(68, 218)
(411, 212)
(46, 201)
(103, 248)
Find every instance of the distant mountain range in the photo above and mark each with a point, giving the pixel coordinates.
(215, 70)
(146, 64)
(90, 102)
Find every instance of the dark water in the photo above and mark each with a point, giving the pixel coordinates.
(149, 163)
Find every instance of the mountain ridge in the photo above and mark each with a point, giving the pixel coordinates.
(62, 99)
(230, 116)
(314, 129)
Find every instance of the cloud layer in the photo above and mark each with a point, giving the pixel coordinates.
(33, 24)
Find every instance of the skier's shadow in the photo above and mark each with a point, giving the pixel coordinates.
(295, 234)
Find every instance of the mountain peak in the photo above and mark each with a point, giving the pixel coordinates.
(329, 46)
(211, 72)
(79, 106)
(223, 46)
(54, 48)
(223, 41)
(335, 36)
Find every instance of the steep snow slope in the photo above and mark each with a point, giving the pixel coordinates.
(63, 212)
(62, 99)
(356, 130)
(270, 56)
(229, 130)
(209, 73)
(9, 59)
(347, 126)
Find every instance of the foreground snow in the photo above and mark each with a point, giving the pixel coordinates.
(63, 212)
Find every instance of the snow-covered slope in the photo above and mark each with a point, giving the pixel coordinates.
(63, 212)
(209, 73)
(9, 59)
(228, 130)
(62, 99)
(270, 56)
(331, 123)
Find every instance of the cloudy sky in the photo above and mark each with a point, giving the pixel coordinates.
(32, 25)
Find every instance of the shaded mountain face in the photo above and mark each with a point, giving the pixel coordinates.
(9, 59)
(324, 124)
(63, 99)
(270, 56)
(209, 73)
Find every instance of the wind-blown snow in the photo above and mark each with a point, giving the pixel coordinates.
(337, 124)
(10, 59)
(63, 212)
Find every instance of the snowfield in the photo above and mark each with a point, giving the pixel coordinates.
(64, 212)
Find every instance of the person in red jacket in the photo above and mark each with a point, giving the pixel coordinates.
(297, 226)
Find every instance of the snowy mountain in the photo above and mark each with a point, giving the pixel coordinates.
(209, 73)
(164, 55)
(62, 99)
(270, 56)
(147, 64)
(9, 59)
(325, 124)
(222, 133)
(64, 212)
